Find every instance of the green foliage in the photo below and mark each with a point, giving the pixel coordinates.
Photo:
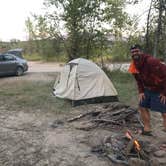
(120, 51)
(33, 57)
(84, 22)
(156, 29)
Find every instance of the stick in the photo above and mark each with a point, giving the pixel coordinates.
(106, 121)
(82, 115)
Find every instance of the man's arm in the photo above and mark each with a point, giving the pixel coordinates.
(139, 83)
(159, 71)
(140, 87)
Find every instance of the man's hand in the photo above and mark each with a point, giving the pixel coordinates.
(163, 99)
(141, 97)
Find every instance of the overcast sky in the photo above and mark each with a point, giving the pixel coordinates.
(13, 14)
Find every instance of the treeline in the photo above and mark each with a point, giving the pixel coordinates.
(53, 50)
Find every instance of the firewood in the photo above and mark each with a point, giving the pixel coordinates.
(94, 113)
(106, 121)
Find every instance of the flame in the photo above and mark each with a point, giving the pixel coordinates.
(137, 145)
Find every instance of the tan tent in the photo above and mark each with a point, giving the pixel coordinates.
(82, 81)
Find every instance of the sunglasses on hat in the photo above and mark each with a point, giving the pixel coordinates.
(135, 50)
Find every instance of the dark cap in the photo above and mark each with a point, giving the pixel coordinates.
(135, 46)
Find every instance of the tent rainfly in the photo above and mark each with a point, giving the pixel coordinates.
(82, 81)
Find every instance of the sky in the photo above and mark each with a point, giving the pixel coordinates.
(141, 10)
(13, 14)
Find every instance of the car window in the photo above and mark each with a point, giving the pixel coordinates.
(1, 58)
(17, 53)
(9, 58)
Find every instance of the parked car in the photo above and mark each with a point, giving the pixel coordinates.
(12, 65)
(17, 52)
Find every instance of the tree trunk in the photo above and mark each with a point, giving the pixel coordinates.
(147, 48)
(158, 30)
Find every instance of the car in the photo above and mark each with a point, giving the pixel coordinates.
(12, 65)
(17, 52)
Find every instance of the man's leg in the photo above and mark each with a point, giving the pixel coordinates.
(145, 115)
(164, 120)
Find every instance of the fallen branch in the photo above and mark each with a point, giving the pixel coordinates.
(20, 129)
(94, 113)
(106, 121)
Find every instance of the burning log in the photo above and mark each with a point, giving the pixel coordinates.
(134, 143)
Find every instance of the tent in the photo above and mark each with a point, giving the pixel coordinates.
(82, 81)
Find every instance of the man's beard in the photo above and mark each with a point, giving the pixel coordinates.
(137, 61)
(136, 57)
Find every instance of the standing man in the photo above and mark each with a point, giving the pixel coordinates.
(150, 75)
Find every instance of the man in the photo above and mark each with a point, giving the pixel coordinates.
(150, 75)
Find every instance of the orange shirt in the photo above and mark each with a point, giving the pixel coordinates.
(132, 69)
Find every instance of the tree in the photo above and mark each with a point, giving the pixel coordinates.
(156, 28)
(77, 22)
(147, 46)
(160, 5)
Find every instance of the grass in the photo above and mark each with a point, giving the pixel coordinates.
(53, 58)
(33, 57)
(126, 87)
(31, 95)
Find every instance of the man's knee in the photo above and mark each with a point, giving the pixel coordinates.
(164, 115)
(143, 109)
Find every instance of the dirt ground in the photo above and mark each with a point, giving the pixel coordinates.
(28, 138)
(46, 139)
(37, 66)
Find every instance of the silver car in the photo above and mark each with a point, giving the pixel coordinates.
(12, 65)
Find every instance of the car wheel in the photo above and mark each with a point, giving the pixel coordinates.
(19, 71)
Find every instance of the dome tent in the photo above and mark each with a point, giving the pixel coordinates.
(82, 81)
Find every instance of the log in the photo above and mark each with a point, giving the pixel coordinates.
(115, 160)
(95, 113)
(106, 121)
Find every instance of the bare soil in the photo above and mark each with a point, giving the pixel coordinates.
(38, 138)
(29, 137)
(39, 66)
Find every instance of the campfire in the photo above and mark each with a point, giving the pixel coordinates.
(121, 148)
(127, 148)
(136, 144)
(135, 147)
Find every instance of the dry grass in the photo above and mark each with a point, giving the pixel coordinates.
(31, 92)
(34, 91)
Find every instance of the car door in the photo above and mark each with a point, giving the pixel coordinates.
(2, 65)
(8, 64)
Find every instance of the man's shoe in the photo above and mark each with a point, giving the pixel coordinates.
(147, 133)
(164, 130)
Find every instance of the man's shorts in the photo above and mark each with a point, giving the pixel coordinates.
(152, 101)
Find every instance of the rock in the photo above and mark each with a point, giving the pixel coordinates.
(56, 123)
(154, 162)
(162, 161)
(98, 137)
(160, 153)
(136, 162)
(158, 161)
